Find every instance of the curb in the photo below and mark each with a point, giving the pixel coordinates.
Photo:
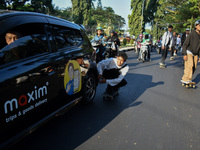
(127, 49)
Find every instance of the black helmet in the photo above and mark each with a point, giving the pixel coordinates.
(196, 23)
(112, 31)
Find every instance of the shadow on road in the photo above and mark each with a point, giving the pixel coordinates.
(85, 121)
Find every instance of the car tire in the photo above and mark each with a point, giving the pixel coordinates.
(89, 88)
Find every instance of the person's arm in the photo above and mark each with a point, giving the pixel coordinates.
(186, 44)
(171, 41)
(102, 64)
(164, 39)
(116, 81)
(93, 39)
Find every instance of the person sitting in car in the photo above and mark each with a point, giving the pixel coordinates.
(113, 71)
(12, 36)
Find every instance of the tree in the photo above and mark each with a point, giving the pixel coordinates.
(136, 20)
(82, 11)
(43, 6)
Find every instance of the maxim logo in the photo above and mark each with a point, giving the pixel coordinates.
(25, 99)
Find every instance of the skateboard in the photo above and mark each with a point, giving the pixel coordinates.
(162, 66)
(189, 85)
(110, 96)
(171, 58)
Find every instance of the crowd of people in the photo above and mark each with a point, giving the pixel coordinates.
(188, 44)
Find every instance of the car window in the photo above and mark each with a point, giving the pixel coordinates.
(32, 41)
(66, 37)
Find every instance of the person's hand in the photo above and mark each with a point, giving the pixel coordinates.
(199, 60)
(169, 49)
(100, 76)
(102, 81)
(163, 47)
(185, 57)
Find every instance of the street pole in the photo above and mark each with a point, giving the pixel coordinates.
(142, 14)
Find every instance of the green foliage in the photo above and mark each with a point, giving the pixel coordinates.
(136, 20)
(131, 41)
(42, 6)
(160, 13)
(124, 42)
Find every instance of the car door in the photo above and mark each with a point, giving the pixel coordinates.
(29, 81)
(67, 49)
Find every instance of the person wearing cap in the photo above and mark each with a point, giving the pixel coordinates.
(184, 36)
(191, 53)
(167, 40)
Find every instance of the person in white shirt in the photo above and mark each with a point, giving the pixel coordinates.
(113, 71)
(167, 41)
(178, 44)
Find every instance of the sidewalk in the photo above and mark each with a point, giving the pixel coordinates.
(126, 48)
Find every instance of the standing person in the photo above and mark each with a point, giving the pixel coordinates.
(191, 52)
(184, 36)
(139, 41)
(173, 46)
(178, 45)
(113, 71)
(167, 41)
(99, 38)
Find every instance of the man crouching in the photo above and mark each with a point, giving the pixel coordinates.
(113, 71)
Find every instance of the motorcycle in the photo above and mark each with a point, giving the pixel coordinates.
(144, 51)
(98, 55)
(159, 47)
(110, 49)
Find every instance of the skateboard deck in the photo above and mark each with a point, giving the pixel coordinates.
(109, 96)
(189, 85)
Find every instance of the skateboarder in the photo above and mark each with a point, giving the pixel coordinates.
(191, 52)
(167, 41)
(113, 71)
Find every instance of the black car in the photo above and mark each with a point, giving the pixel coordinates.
(45, 69)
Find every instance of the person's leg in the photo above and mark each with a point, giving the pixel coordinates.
(172, 51)
(139, 55)
(188, 71)
(164, 54)
(195, 63)
(109, 89)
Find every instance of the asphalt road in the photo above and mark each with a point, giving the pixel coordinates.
(153, 112)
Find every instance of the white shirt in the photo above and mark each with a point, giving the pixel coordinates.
(178, 41)
(110, 64)
(165, 39)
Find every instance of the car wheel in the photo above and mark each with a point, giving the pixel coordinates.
(89, 88)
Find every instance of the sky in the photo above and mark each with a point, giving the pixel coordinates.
(121, 7)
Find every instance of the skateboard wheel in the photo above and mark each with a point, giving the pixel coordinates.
(183, 84)
(194, 86)
(186, 86)
(190, 85)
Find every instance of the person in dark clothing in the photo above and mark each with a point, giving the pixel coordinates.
(173, 46)
(184, 36)
(113, 38)
(191, 52)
